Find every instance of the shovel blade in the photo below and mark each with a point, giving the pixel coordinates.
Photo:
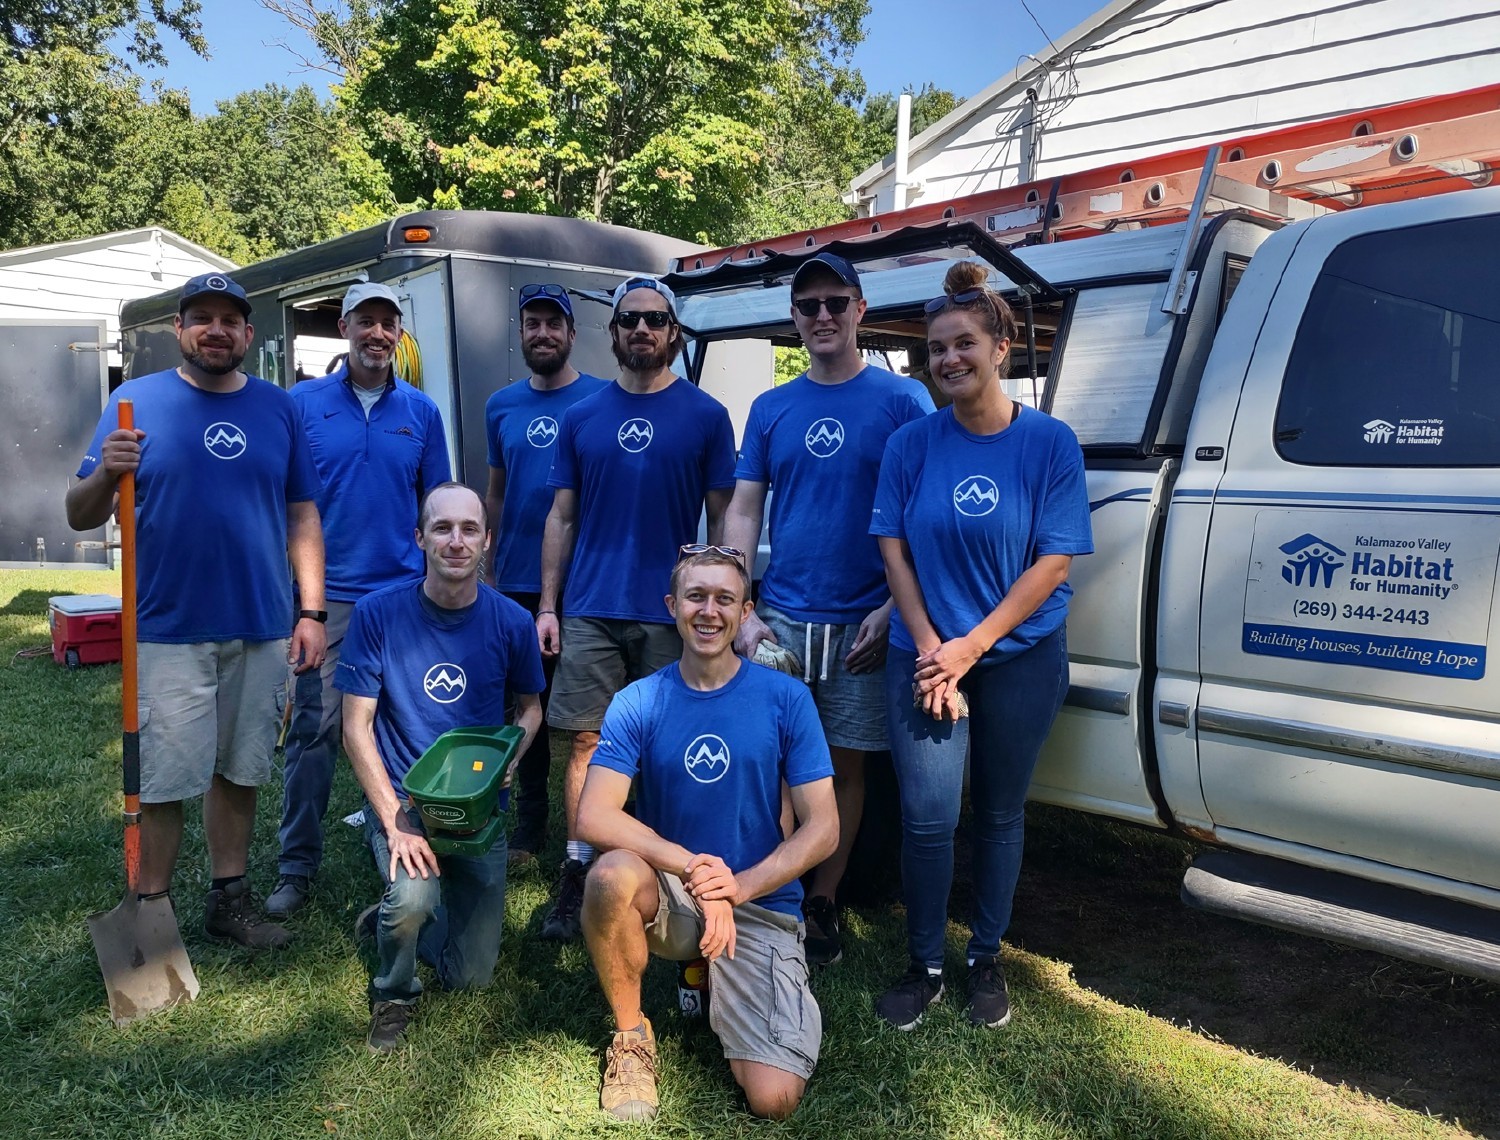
(142, 958)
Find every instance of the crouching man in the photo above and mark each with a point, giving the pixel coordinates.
(704, 868)
(419, 659)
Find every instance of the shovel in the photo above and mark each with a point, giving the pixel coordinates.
(140, 950)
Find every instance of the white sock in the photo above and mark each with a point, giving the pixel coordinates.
(934, 973)
(583, 852)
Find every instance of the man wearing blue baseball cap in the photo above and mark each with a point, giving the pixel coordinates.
(635, 465)
(521, 425)
(818, 440)
(379, 445)
(226, 498)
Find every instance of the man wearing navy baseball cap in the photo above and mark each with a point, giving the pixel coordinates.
(379, 445)
(521, 425)
(227, 491)
(817, 440)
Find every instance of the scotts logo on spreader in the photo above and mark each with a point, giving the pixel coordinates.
(443, 813)
(635, 435)
(541, 432)
(1310, 562)
(707, 758)
(224, 440)
(976, 496)
(824, 437)
(445, 683)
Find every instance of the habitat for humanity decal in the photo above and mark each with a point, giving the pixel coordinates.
(1387, 590)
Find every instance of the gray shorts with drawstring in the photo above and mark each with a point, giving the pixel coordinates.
(850, 705)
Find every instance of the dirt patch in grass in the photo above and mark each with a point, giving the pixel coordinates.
(1104, 898)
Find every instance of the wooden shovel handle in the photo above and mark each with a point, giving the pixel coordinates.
(130, 743)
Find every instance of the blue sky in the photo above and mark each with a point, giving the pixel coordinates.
(963, 45)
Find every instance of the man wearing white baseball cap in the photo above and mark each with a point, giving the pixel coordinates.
(379, 446)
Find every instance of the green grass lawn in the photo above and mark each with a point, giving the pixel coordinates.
(274, 1046)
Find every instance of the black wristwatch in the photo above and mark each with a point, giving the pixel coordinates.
(316, 615)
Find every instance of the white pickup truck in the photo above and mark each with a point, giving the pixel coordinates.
(1281, 645)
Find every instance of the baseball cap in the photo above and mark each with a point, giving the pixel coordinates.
(840, 267)
(647, 283)
(539, 291)
(368, 291)
(213, 285)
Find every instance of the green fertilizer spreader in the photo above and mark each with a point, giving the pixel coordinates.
(457, 787)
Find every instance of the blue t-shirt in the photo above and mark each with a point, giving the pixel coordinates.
(217, 472)
(641, 466)
(375, 471)
(819, 447)
(711, 764)
(977, 512)
(521, 424)
(433, 671)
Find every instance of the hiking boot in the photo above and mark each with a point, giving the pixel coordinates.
(234, 915)
(292, 893)
(563, 923)
(904, 1003)
(367, 925)
(989, 1000)
(388, 1022)
(825, 935)
(629, 1088)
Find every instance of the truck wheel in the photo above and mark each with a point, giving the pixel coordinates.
(72, 658)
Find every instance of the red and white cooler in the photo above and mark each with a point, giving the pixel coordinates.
(86, 629)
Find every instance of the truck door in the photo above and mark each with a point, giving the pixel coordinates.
(1349, 715)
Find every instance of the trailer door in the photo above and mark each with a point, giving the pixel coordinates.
(425, 301)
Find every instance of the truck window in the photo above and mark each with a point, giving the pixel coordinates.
(1111, 363)
(1397, 358)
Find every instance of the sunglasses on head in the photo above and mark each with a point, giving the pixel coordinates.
(530, 291)
(938, 304)
(693, 548)
(809, 306)
(655, 318)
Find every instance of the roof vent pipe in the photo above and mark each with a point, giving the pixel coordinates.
(903, 150)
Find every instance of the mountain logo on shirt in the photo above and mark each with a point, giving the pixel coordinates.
(825, 437)
(445, 683)
(541, 432)
(707, 758)
(975, 496)
(635, 435)
(224, 440)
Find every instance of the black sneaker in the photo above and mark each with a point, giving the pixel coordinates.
(234, 915)
(825, 935)
(388, 1022)
(904, 1003)
(563, 923)
(292, 893)
(989, 1000)
(366, 926)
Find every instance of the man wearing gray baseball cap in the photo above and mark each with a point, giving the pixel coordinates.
(379, 445)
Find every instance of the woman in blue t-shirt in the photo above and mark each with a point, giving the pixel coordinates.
(979, 512)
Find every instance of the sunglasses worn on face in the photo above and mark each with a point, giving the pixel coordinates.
(693, 548)
(655, 318)
(938, 304)
(530, 291)
(809, 306)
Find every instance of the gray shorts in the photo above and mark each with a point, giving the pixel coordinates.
(759, 1005)
(850, 705)
(212, 707)
(600, 656)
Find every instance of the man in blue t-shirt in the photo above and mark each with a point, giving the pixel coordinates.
(521, 425)
(225, 490)
(635, 464)
(703, 867)
(816, 442)
(378, 444)
(420, 658)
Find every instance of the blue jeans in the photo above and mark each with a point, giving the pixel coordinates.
(1011, 709)
(451, 921)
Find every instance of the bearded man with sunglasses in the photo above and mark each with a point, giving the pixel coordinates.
(818, 441)
(634, 467)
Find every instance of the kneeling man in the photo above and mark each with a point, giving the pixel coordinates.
(704, 868)
(419, 659)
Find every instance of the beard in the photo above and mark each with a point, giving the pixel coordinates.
(641, 359)
(201, 363)
(371, 361)
(544, 361)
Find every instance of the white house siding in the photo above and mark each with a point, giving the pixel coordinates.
(92, 277)
(1166, 75)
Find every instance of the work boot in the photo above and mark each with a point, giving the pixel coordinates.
(564, 922)
(367, 925)
(825, 936)
(388, 1022)
(234, 915)
(526, 842)
(629, 1088)
(904, 1003)
(292, 893)
(989, 1000)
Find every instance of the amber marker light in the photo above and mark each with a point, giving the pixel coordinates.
(418, 234)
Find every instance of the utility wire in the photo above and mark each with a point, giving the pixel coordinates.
(1039, 27)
